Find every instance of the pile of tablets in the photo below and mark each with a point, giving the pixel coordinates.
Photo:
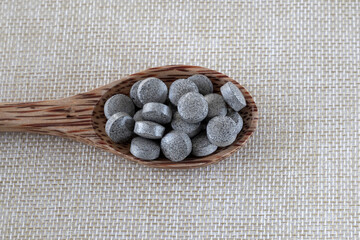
(188, 118)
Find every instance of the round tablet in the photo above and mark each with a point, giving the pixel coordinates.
(193, 107)
(119, 103)
(203, 83)
(179, 88)
(217, 105)
(120, 127)
(221, 131)
(138, 116)
(145, 149)
(149, 129)
(233, 96)
(191, 129)
(152, 90)
(235, 116)
(157, 112)
(176, 146)
(133, 94)
(201, 146)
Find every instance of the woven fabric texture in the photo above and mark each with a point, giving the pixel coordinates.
(298, 176)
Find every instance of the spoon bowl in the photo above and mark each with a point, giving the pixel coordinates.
(82, 118)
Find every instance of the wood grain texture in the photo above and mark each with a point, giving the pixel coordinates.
(81, 117)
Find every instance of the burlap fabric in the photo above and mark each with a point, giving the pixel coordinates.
(298, 176)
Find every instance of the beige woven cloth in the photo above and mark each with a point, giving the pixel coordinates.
(298, 176)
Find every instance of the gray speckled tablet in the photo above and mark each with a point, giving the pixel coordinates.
(176, 146)
(119, 103)
(193, 107)
(152, 90)
(179, 88)
(203, 83)
(217, 106)
(233, 96)
(145, 149)
(120, 127)
(149, 129)
(191, 129)
(201, 146)
(221, 131)
(235, 116)
(138, 116)
(133, 94)
(157, 112)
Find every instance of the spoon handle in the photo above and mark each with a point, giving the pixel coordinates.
(67, 117)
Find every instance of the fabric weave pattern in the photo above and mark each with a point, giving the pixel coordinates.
(298, 176)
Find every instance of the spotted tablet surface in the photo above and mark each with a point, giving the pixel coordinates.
(119, 103)
(201, 146)
(221, 131)
(150, 130)
(179, 88)
(152, 90)
(203, 83)
(237, 119)
(157, 112)
(193, 107)
(233, 96)
(133, 94)
(176, 146)
(217, 105)
(138, 116)
(120, 127)
(191, 129)
(145, 149)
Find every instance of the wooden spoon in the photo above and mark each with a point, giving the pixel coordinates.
(81, 117)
